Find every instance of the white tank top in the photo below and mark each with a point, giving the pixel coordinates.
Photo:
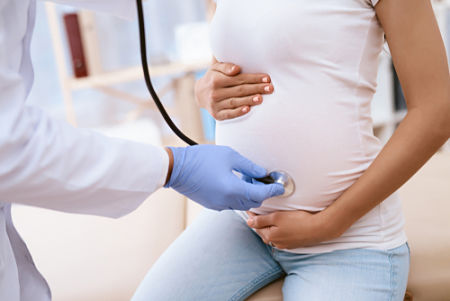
(322, 56)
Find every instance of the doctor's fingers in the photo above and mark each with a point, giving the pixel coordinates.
(261, 192)
(245, 205)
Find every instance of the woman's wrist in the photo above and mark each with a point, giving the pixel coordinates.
(330, 225)
(197, 92)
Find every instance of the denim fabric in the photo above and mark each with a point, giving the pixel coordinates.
(220, 258)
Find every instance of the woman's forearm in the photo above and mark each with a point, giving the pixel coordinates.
(417, 138)
(420, 59)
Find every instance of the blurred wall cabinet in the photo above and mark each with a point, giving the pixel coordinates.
(181, 73)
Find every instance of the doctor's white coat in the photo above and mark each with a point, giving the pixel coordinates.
(49, 164)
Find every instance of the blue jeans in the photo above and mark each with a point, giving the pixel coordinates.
(220, 258)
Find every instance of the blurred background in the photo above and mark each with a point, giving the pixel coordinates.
(87, 71)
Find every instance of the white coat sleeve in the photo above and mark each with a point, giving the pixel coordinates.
(49, 164)
(121, 8)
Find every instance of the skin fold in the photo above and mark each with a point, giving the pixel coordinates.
(420, 60)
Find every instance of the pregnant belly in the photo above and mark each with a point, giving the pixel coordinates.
(322, 145)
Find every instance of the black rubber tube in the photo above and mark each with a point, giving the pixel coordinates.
(148, 80)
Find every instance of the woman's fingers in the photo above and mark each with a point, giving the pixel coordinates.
(242, 91)
(261, 221)
(266, 235)
(245, 78)
(228, 69)
(249, 89)
(218, 80)
(235, 102)
(233, 73)
(231, 113)
(227, 93)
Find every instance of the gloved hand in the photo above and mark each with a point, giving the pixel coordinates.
(204, 173)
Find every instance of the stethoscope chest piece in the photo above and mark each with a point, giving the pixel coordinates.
(284, 179)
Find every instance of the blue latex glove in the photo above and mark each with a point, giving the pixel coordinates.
(204, 173)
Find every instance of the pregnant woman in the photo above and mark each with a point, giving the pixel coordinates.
(340, 235)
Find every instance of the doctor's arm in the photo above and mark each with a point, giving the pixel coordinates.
(49, 164)
(420, 59)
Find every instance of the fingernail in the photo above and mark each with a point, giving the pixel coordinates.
(233, 69)
(250, 221)
(265, 79)
(255, 99)
(267, 88)
(245, 109)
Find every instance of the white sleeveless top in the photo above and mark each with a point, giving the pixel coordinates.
(322, 56)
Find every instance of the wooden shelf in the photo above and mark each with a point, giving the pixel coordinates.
(134, 74)
(184, 108)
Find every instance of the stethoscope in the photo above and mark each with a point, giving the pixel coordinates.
(280, 177)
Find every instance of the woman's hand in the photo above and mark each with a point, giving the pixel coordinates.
(291, 229)
(227, 93)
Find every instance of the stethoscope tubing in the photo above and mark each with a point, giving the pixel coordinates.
(151, 89)
(148, 81)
